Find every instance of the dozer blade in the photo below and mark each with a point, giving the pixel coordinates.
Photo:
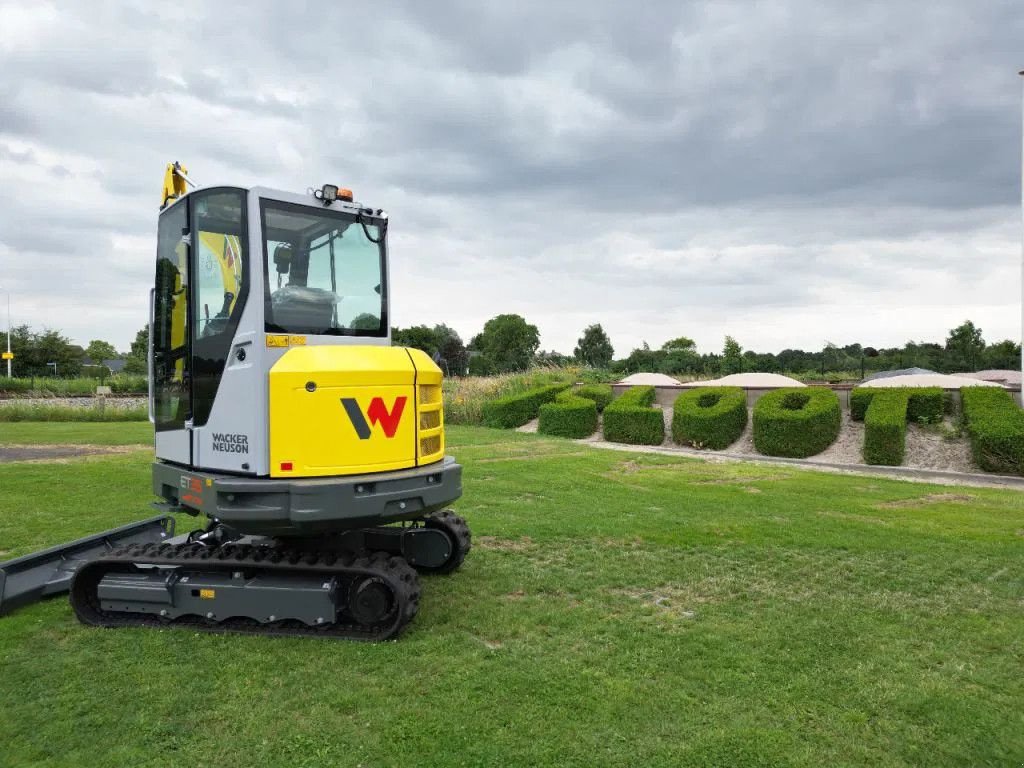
(29, 578)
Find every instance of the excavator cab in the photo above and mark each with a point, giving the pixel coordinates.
(283, 415)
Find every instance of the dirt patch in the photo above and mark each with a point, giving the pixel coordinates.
(503, 545)
(931, 498)
(855, 518)
(55, 453)
(667, 599)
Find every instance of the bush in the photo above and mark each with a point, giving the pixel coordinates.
(885, 428)
(631, 419)
(601, 394)
(996, 427)
(924, 403)
(568, 416)
(709, 417)
(796, 421)
(515, 410)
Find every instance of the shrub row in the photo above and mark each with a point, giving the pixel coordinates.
(885, 427)
(45, 412)
(796, 421)
(631, 419)
(568, 416)
(996, 428)
(121, 383)
(709, 417)
(515, 410)
(601, 394)
(924, 403)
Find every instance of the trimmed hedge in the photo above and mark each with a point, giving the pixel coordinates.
(568, 416)
(709, 417)
(927, 403)
(796, 421)
(885, 424)
(885, 427)
(513, 411)
(996, 427)
(601, 394)
(630, 418)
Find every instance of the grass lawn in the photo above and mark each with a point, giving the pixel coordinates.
(68, 432)
(616, 609)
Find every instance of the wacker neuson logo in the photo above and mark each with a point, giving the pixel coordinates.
(227, 442)
(377, 413)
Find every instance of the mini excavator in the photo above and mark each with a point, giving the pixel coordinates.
(313, 448)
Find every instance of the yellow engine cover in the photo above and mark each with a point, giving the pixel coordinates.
(345, 410)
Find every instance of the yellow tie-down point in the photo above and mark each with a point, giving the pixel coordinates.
(340, 410)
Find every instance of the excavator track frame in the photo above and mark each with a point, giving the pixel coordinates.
(168, 559)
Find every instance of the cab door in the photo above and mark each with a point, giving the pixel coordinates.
(170, 359)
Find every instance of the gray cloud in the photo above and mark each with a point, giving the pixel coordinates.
(790, 171)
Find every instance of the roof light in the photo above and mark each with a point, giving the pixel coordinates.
(331, 192)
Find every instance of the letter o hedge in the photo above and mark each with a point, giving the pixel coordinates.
(796, 421)
(709, 417)
(569, 416)
(631, 419)
(515, 410)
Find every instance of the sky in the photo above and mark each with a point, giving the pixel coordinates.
(789, 172)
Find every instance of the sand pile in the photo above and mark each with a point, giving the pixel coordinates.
(749, 380)
(929, 380)
(650, 379)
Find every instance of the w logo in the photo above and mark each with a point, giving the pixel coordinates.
(377, 413)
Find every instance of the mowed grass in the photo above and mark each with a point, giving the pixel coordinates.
(617, 609)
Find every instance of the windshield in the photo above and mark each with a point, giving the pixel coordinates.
(325, 273)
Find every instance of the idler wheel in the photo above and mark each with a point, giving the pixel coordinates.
(370, 601)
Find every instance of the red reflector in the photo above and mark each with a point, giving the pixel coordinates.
(286, 466)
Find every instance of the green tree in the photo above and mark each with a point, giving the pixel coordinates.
(35, 350)
(965, 346)
(732, 356)
(365, 321)
(594, 347)
(507, 343)
(98, 351)
(1003, 355)
(451, 349)
(681, 344)
(416, 336)
(136, 362)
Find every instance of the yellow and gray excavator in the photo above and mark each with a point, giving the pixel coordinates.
(313, 448)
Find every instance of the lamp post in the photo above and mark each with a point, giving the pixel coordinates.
(1022, 221)
(8, 355)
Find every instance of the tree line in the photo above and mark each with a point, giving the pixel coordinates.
(508, 343)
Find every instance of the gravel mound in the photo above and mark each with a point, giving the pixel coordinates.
(998, 376)
(650, 379)
(930, 380)
(749, 380)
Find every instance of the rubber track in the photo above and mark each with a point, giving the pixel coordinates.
(395, 571)
(456, 528)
